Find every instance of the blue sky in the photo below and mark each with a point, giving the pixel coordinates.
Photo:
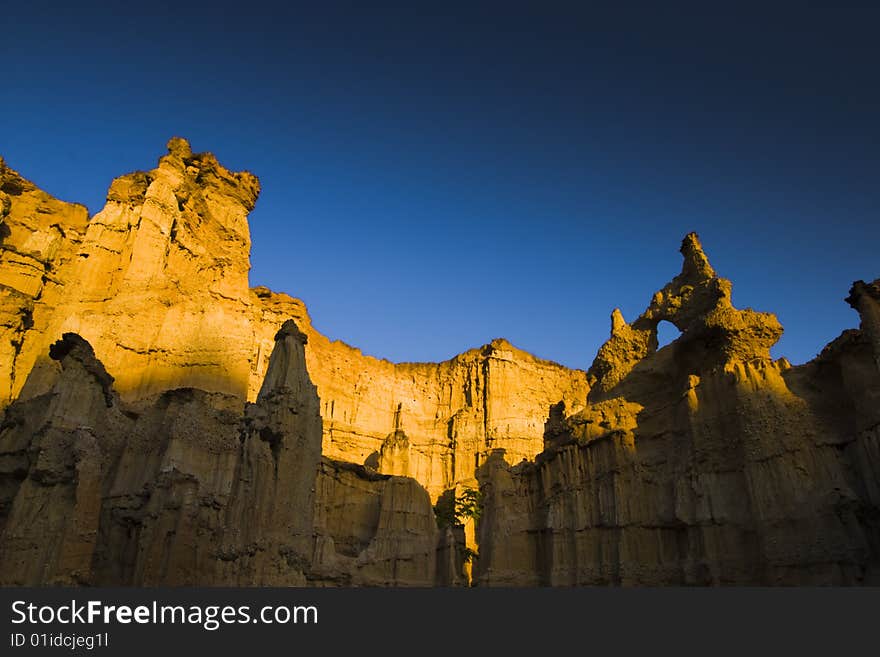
(437, 177)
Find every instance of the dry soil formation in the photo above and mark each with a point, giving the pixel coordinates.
(164, 423)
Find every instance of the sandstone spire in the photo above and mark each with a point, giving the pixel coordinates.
(274, 495)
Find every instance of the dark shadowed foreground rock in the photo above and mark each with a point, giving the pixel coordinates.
(190, 490)
(165, 424)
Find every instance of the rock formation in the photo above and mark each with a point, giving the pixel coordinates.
(705, 462)
(157, 284)
(163, 423)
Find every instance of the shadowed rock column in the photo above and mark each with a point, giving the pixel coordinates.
(49, 534)
(270, 526)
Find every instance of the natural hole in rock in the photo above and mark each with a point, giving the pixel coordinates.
(666, 333)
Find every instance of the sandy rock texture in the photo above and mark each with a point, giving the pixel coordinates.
(165, 423)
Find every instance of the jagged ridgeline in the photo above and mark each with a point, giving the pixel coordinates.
(165, 424)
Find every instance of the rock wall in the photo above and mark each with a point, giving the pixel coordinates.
(164, 423)
(452, 413)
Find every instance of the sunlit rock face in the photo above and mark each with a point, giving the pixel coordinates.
(157, 282)
(164, 423)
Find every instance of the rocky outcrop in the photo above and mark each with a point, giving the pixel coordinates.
(166, 424)
(704, 462)
(156, 281)
(697, 303)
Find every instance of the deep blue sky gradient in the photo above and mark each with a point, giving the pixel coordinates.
(440, 175)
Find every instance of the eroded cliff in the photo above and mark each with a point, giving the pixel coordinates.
(157, 283)
(166, 424)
